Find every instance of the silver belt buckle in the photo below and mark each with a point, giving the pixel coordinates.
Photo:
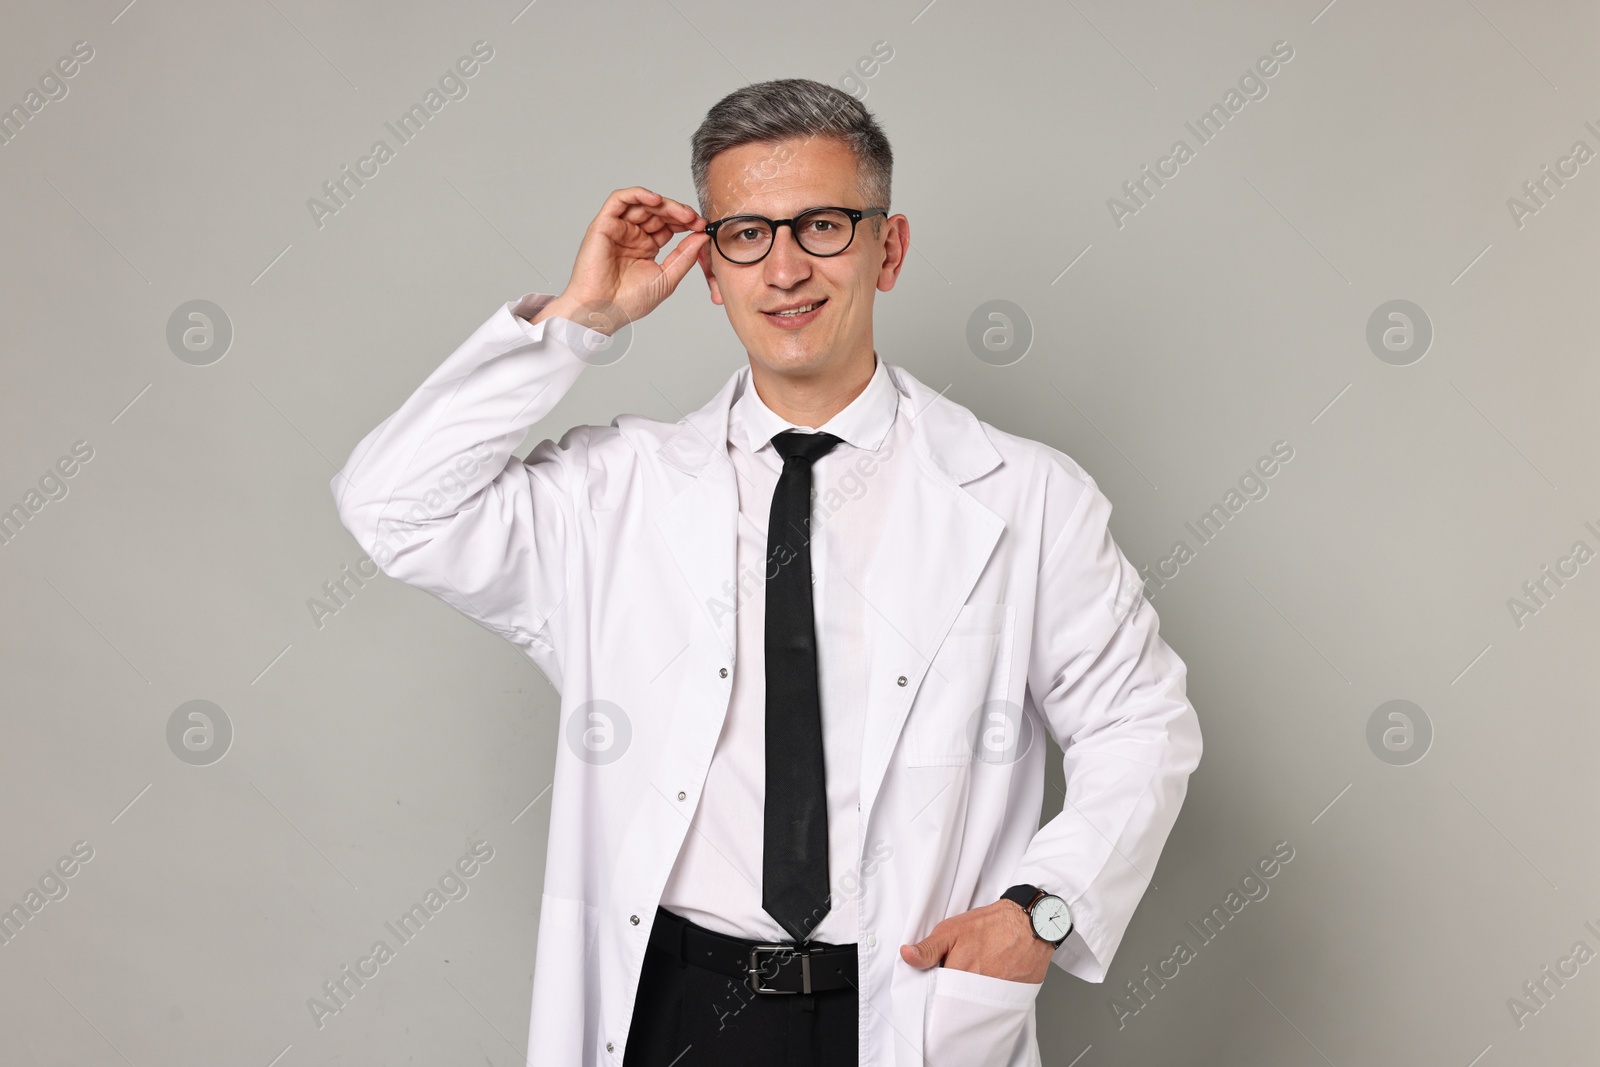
(755, 968)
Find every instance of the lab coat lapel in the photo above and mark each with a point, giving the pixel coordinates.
(937, 539)
(701, 523)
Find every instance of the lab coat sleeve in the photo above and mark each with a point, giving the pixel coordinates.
(437, 499)
(1112, 695)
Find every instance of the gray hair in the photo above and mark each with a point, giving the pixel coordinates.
(772, 111)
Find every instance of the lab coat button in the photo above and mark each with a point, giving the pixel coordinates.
(681, 794)
(872, 940)
(610, 1047)
(901, 681)
(723, 672)
(634, 919)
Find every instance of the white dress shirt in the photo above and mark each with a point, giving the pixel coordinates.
(716, 881)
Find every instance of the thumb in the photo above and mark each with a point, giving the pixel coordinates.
(927, 952)
(682, 258)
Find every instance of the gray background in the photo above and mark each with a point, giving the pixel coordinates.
(1229, 313)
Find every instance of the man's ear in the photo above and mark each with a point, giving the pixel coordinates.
(711, 279)
(895, 247)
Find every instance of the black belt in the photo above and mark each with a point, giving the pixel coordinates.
(764, 966)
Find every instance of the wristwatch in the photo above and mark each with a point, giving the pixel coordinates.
(1051, 919)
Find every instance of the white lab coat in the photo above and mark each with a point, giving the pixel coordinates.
(608, 558)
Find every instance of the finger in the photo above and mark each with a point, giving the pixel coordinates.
(622, 201)
(663, 223)
(669, 213)
(640, 214)
(678, 262)
(639, 195)
(634, 194)
(680, 210)
(663, 230)
(665, 233)
(660, 227)
(933, 948)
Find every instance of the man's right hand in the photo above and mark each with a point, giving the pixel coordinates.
(616, 278)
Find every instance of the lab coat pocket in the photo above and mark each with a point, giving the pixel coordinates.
(975, 1019)
(970, 671)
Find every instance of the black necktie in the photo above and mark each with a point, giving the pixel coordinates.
(794, 861)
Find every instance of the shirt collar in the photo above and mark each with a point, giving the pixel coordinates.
(864, 422)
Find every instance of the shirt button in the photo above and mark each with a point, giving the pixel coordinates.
(634, 919)
(872, 940)
(681, 794)
(723, 672)
(901, 680)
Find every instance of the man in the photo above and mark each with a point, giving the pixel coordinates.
(807, 638)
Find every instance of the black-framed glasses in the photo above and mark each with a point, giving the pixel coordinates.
(822, 231)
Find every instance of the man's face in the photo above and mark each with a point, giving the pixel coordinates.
(780, 181)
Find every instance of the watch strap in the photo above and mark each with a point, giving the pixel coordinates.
(1023, 895)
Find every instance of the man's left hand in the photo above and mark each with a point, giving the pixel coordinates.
(996, 939)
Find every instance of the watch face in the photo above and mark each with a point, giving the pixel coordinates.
(1051, 919)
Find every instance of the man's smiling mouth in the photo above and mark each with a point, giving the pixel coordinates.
(797, 314)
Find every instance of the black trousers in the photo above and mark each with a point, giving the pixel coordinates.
(688, 1016)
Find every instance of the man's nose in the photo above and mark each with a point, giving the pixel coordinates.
(787, 263)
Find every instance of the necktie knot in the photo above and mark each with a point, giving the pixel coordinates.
(806, 447)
